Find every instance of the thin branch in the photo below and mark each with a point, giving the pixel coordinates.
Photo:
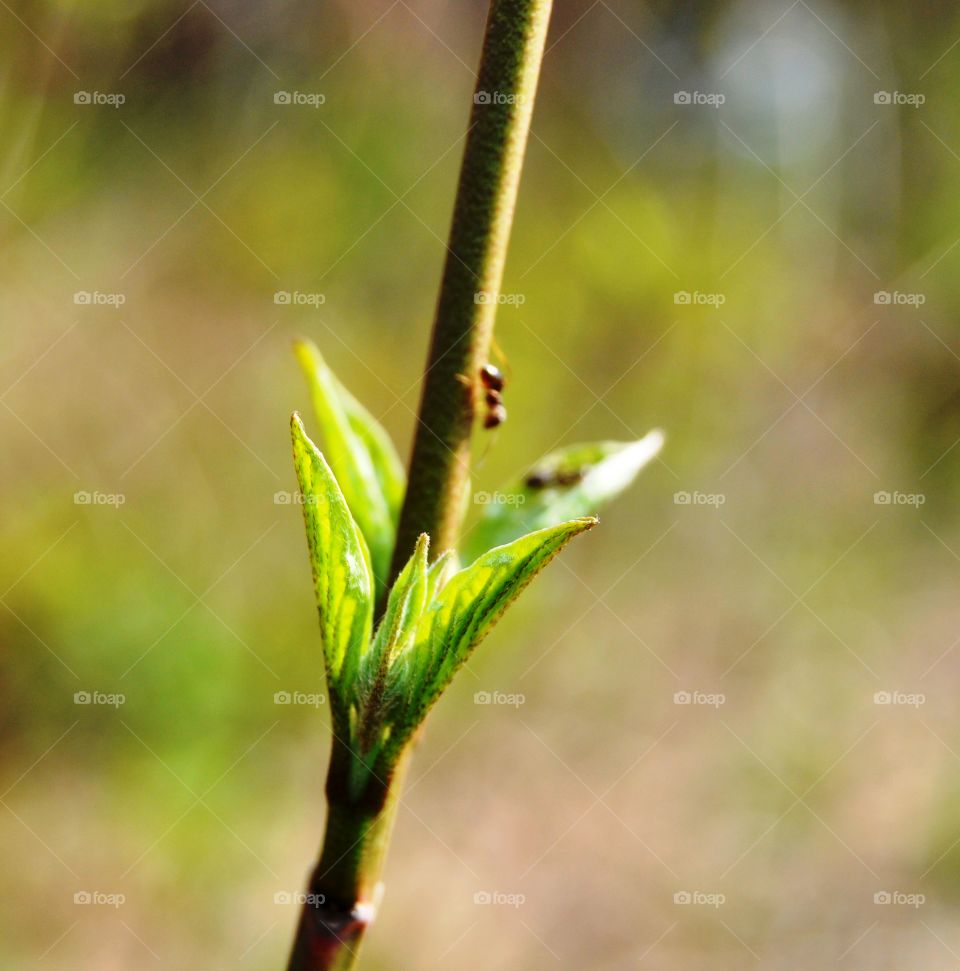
(344, 886)
(463, 327)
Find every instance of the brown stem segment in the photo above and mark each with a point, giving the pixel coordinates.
(463, 327)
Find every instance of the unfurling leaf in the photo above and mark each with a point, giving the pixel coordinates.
(386, 462)
(442, 568)
(574, 481)
(340, 563)
(362, 458)
(408, 597)
(461, 615)
(373, 703)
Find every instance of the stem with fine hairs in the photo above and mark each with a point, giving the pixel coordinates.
(463, 326)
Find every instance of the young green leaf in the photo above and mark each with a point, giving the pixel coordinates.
(442, 568)
(571, 482)
(383, 454)
(408, 597)
(361, 455)
(340, 563)
(463, 613)
(374, 705)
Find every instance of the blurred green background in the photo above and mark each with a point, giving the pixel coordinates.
(786, 599)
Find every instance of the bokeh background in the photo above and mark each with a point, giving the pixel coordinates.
(807, 822)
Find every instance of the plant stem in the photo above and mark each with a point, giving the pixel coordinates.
(463, 326)
(344, 884)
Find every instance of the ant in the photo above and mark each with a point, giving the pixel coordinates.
(492, 379)
(562, 478)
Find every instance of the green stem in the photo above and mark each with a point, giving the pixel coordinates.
(344, 884)
(344, 887)
(463, 326)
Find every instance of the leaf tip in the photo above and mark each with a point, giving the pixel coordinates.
(656, 438)
(304, 349)
(574, 527)
(302, 443)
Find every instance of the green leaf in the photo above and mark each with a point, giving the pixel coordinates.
(361, 455)
(442, 568)
(373, 702)
(341, 566)
(386, 462)
(408, 597)
(574, 481)
(463, 613)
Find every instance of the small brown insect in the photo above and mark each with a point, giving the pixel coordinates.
(492, 380)
(495, 417)
(571, 477)
(544, 478)
(538, 480)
